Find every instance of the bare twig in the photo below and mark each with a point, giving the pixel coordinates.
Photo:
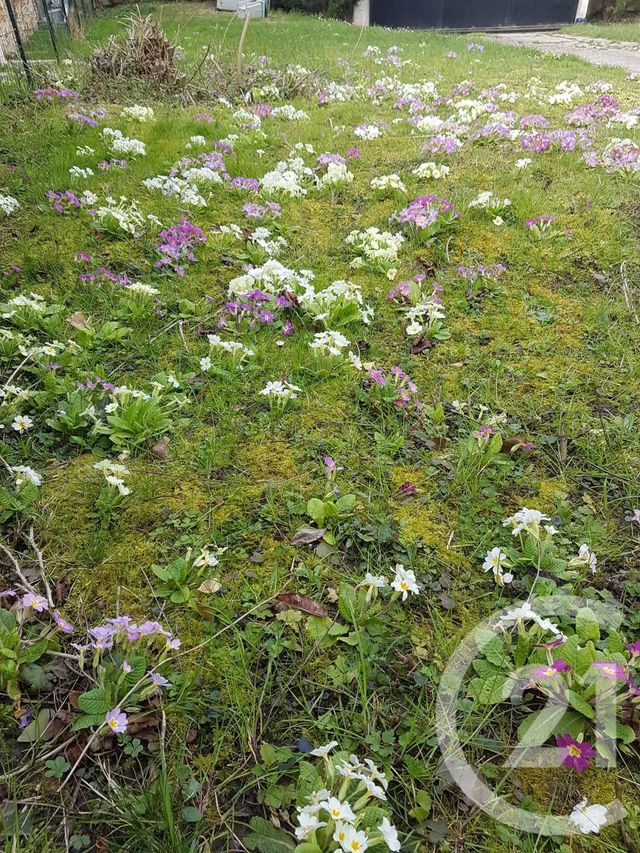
(17, 569)
(243, 34)
(40, 560)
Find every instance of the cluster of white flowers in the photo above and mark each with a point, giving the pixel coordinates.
(378, 248)
(565, 93)
(113, 474)
(121, 144)
(525, 612)
(431, 170)
(289, 112)
(126, 214)
(329, 342)
(141, 288)
(235, 348)
(495, 561)
(429, 124)
(8, 204)
(287, 178)
(280, 391)
(523, 162)
(404, 581)
(197, 141)
(263, 239)
(325, 809)
(338, 295)
(186, 190)
(368, 132)
(529, 521)
(201, 175)
(388, 182)
(249, 120)
(422, 315)
(337, 175)
(138, 113)
(33, 302)
(272, 278)
(488, 201)
(80, 172)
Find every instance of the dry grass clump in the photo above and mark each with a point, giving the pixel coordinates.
(144, 52)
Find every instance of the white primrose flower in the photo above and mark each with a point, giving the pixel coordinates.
(487, 199)
(114, 473)
(367, 131)
(338, 809)
(280, 390)
(528, 521)
(21, 423)
(375, 581)
(588, 818)
(389, 834)
(526, 612)
(356, 841)
(495, 560)
(138, 113)
(523, 162)
(121, 144)
(388, 182)
(25, 474)
(329, 342)
(586, 558)
(431, 170)
(321, 751)
(405, 581)
(79, 172)
(8, 204)
(308, 822)
(140, 287)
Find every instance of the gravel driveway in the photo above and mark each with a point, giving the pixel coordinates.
(599, 51)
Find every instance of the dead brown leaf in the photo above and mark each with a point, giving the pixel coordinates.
(300, 602)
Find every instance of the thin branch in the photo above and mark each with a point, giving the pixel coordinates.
(40, 560)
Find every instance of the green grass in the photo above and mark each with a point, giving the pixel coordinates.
(553, 345)
(623, 31)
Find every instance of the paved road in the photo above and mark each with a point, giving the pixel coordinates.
(623, 54)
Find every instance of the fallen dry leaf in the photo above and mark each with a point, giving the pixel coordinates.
(160, 448)
(78, 320)
(211, 585)
(423, 343)
(301, 602)
(308, 535)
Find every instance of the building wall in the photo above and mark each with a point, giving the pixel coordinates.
(27, 16)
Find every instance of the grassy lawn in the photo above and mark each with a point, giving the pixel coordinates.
(487, 362)
(623, 31)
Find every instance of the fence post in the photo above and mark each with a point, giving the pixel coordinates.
(16, 33)
(52, 33)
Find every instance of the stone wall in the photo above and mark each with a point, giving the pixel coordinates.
(27, 16)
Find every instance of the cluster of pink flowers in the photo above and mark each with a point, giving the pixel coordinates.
(396, 384)
(427, 212)
(103, 637)
(63, 200)
(176, 245)
(261, 211)
(50, 93)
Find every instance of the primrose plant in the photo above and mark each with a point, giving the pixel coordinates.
(346, 812)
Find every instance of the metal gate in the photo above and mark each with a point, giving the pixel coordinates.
(470, 14)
